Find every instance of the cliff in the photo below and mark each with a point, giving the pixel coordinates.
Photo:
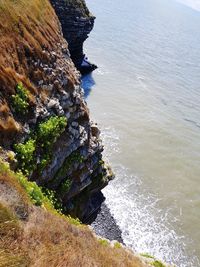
(50, 152)
(77, 22)
(44, 119)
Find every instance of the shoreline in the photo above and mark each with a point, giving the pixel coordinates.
(105, 225)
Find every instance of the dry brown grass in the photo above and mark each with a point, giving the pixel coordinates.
(7, 123)
(36, 237)
(8, 178)
(12, 195)
(11, 254)
(52, 241)
(26, 28)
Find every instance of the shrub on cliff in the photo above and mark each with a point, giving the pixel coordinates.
(40, 145)
(49, 131)
(20, 99)
(26, 155)
(32, 189)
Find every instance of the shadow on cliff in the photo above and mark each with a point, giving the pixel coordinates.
(87, 82)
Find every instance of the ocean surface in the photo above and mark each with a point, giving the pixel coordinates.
(145, 97)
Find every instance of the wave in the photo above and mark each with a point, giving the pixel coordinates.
(145, 227)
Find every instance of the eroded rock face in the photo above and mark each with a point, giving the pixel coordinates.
(77, 22)
(76, 171)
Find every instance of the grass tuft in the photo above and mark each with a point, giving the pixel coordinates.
(20, 100)
(146, 255)
(157, 263)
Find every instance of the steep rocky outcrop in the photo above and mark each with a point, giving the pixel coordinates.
(77, 22)
(53, 149)
(38, 81)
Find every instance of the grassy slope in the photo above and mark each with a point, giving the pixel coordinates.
(38, 236)
(26, 27)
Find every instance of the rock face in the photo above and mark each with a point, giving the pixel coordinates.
(75, 170)
(77, 22)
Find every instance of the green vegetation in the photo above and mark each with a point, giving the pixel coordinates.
(49, 131)
(146, 255)
(40, 144)
(101, 162)
(117, 245)
(74, 157)
(37, 195)
(47, 134)
(32, 189)
(51, 196)
(104, 242)
(20, 99)
(11, 155)
(157, 263)
(26, 155)
(44, 162)
(4, 167)
(65, 186)
(74, 221)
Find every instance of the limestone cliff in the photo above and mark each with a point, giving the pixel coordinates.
(47, 137)
(38, 81)
(77, 22)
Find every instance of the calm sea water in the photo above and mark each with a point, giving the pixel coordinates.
(145, 97)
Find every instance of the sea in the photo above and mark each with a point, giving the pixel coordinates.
(145, 97)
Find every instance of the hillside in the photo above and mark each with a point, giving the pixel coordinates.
(39, 236)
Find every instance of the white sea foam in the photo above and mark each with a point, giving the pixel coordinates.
(111, 141)
(145, 227)
(100, 71)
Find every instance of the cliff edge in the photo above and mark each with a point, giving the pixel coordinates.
(44, 119)
(51, 163)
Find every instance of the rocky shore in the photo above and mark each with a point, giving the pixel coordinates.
(105, 225)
